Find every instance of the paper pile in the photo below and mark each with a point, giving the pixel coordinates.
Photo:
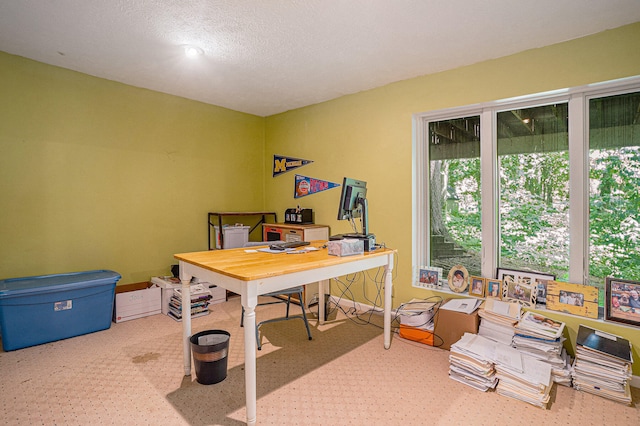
(471, 362)
(497, 320)
(531, 384)
(417, 313)
(603, 365)
(542, 338)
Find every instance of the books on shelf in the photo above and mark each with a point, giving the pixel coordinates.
(200, 297)
(603, 365)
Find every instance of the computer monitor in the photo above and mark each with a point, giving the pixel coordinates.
(353, 202)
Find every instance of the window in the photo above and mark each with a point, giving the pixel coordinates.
(533, 164)
(454, 194)
(546, 183)
(614, 187)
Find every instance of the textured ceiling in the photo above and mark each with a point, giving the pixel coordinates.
(268, 56)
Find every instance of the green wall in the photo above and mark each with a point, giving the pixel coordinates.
(368, 136)
(99, 175)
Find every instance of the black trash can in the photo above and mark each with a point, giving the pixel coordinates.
(210, 349)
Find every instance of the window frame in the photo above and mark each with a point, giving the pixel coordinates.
(578, 128)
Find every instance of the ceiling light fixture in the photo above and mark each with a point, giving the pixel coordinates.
(193, 51)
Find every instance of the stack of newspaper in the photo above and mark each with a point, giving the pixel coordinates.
(471, 362)
(531, 382)
(603, 365)
(497, 320)
(542, 338)
(417, 313)
(200, 297)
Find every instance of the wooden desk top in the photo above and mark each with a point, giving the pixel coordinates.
(239, 264)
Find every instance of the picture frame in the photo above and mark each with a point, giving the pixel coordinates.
(576, 299)
(458, 279)
(476, 286)
(429, 277)
(522, 286)
(493, 289)
(622, 301)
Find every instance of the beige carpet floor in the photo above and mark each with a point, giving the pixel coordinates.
(132, 374)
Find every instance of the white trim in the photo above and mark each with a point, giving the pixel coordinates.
(489, 193)
(578, 191)
(577, 98)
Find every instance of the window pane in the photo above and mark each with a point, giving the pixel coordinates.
(533, 166)
(454, 170)
(614, 182)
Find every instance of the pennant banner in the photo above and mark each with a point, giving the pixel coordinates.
(284, 164)
(306, 186)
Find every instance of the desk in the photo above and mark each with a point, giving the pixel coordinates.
(251, 274)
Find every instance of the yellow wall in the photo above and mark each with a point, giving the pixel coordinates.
(99, 175)
(96, 174)
(369, 135)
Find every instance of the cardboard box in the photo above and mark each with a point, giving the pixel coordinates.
(136, 301)
(451, 325)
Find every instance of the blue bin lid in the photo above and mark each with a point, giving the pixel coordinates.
(56, 282)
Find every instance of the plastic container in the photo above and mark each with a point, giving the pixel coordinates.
(46, 308)
(210, 349)
(233, 236)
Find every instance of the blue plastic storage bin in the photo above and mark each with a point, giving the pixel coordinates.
(46, 308)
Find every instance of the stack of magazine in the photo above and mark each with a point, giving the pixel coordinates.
(603, 365)
(542, 338)
(200, 297)
(497, 320)
(471, 362)
(530, 382)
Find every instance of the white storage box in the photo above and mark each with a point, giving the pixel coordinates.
(167, 284)
(346, 247)
(233, 236)
(134, 302)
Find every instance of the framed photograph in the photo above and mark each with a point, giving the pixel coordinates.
(429, 277)
(493, 289)
(522, 286)
(576, 299)
(476, 288)
(458, 279)
(622, 301)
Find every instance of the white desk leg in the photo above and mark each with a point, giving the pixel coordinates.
(186, 322)
(249, 303)
(321, 307)
(388, 285)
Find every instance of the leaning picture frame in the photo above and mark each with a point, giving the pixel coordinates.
(476, 286)
(493, 289)
(576, 299)
(622, 301)
(458, 279)
(521, 286)
(429, 277)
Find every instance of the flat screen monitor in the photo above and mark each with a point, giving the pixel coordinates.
(353, 202)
